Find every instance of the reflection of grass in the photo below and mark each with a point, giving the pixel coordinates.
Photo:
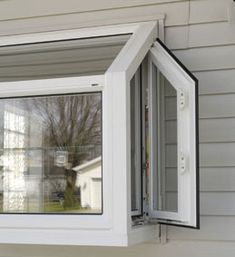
(51, 207)
(58, 207)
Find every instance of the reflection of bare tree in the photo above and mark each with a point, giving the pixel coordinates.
(70, 124)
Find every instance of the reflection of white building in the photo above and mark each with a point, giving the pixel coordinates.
(20, 187)
(89, 181)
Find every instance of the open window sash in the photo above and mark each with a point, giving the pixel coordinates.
(173, 132)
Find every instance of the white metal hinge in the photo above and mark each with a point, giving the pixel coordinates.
(182, 99)
(183, 163)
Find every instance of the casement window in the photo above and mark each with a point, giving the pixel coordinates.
(99, 137)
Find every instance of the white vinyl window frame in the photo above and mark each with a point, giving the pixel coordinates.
(187, 137)
(113, 226)
(47, 87)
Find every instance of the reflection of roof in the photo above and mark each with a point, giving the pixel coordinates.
(87, 165)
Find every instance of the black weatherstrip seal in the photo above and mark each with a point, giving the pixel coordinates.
(197, 139)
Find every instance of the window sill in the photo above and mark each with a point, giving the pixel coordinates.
(77, 237)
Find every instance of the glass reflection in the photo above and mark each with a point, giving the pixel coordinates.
(50, 154)
(165, 177)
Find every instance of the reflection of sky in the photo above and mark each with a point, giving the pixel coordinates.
(14, 122)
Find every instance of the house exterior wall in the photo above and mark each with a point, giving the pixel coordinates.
(202, 35)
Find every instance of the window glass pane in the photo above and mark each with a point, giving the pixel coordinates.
(165, 177)
(75, 57)
(51, 154)
(135, 116)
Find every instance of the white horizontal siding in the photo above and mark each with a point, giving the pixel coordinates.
(176, 37)
(216, 82)
(210, 106)
(212, 203)
(217, 203)
(55, 15)
(213, 82)
(216, 179)
(10, 10)
(202, 11)
(217, 106)
(15, 9)
(210, 130)
(218, 228)
(9, 26)
(217, 155)
(211, 155)
(217, 130)
(210, 34)
(208, 58)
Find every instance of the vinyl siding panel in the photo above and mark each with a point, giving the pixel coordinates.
(210, 106)
(211, 130)
(211, 155)
(15, 25)
(218, 203)
(220, 33)
(17, 9)
(217, 106)
(217, 130)
(176, 37)
(208, 58)
(212, 180)
(217, 155)
(213, 228)
(26, 16)
(201, 11)
(212, 203)
(217, 179)
(195, 35)
(216, 82)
